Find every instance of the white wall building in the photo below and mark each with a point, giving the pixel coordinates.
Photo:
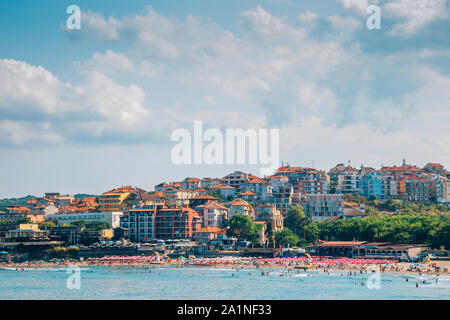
(112, 217)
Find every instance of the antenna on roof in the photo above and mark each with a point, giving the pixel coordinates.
(404, 162)
(349, 163)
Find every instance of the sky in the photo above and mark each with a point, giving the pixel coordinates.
(84, 111)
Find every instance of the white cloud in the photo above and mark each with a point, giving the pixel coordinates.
(20, 133)
(270, 27)
(270, 75)
(349, 23)
(118, 103)
(36, 97)
(307, 16)
(22, 84)
(415, 14)
(359, 6)
(111, 59)
(106, 28)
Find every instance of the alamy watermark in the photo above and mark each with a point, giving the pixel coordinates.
(73, 282)
(238, 146)
(74, 20)
(374, 20)
(374, 281)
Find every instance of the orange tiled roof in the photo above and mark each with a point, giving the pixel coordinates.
(435, 164)
(222, 186)
(256, 181)
(125, 189)
(205, 196)
(216, 230)
(214, 205)
(248, 193)
(340, 243)
(239, 202)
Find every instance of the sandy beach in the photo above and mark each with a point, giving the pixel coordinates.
(424, 268)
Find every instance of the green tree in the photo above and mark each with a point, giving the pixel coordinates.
(217, 194)
(296, 220)
(80, 223)
(100, 225)
(312, 233)
(6, 222)
(47, 225)
(403, 228)
(286, 238)
(243, 227)
(269, 234)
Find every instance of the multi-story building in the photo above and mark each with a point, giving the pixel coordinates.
(348, 181)
(240, 206)
(335, 171)
(64, 200)
(248, 196)
(309, 186)
(201, 199)
(321, 207)
(303, 179)
(404, 170)
(191, 184)
(208, 234)
(140, 222)
(227, 191)
(163, 187)
(179, 198)
(415, 188)
(392, 186)
(373, 184)
(176, 223)
(111, 217)
(438, 188)
(446, 199)
(214, 214)
(257, 186)
(210, 182)
(236, 179)
(435, 168)
(270, 215)
(114, 200)
(138, 198)
(282, 192)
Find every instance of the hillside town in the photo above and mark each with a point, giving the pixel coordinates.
(207, 215)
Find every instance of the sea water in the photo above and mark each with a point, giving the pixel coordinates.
(209, 283)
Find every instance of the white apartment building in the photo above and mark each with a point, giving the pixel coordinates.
(111, 217)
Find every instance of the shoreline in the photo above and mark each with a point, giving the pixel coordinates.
(397, 268)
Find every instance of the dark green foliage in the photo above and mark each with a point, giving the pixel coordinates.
(242, 227)
(418, 229)
(286, 237)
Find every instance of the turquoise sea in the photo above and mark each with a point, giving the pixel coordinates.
(209, 283)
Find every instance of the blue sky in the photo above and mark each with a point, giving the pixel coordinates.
(87, 110)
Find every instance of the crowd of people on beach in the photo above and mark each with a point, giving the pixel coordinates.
(350, 266)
